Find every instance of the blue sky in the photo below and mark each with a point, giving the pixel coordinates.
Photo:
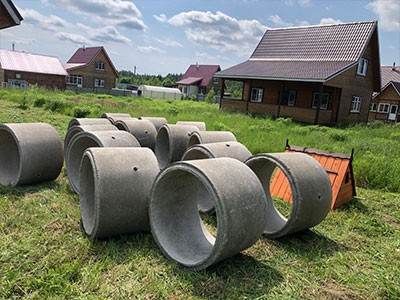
(166, 36)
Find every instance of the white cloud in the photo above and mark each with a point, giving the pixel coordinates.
(109, 33)
(388, 12)
(170, 43)
(327, 21)
(108, 12)
(304, 3)
(220, 31)
(149, 49)
(161, 18)
(51, 23)
(74, 38)
(277, 20)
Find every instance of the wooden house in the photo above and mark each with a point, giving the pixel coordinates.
(338, 167)
(385, 106)
(21, 69)
(91, 69)
(321, 74)
(199, 79)
(9, 15)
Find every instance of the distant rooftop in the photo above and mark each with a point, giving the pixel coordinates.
(199, 73)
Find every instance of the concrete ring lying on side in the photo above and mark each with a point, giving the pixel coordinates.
(175, 220)
(311, 191)
(88, 121)
(205, 137)
(84, 140)
(72, 131)
(171, 143)
(234, 150)
(158, 122)
(29, 153)
(200, 125)
(114, 117)
(143, 130)
(115, 185)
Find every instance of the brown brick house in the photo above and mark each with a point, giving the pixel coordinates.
(385, 106)
(21, 69)
(322, 74)
(91, 69)
(199, 79)
(9, 15)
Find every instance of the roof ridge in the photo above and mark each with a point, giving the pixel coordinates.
(322, 25)
(25, 52)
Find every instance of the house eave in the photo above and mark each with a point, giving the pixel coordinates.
(269, 78)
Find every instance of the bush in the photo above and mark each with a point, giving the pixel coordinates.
(56, 105)
(23, 103)
(210, 98)
(81, 111)
(39, 102)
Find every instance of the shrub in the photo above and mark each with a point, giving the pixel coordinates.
(81, 111)
(23, 103)
(210, 98)
(39, 102)
(56, 105)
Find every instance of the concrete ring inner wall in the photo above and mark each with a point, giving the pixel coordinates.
(10, 159)
(87, 197)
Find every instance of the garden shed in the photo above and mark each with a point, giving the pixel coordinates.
(159, 92)
(338, 167)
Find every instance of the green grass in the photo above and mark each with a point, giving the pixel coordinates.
(353, 254)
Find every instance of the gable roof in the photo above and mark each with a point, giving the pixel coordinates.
(84, 56)
(199, 73)
(388, 74)
(9, 15)
(30, 62)
(311, 53)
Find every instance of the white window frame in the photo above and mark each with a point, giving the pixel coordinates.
(257, 95)
(291, 98)
(373, 107)
(325, 98)
(383, 108)
(72, 79)
(100, 66)
(355, 104)
(362, 67)
(99, 82)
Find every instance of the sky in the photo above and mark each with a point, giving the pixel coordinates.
(167, 36)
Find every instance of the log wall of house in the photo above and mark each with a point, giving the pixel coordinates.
(44, 80)
(389, 96)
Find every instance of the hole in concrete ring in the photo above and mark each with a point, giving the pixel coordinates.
(113, 137)
(146, 132)
(135, 169)
(87, 196)
(228, 145)
(9, 159)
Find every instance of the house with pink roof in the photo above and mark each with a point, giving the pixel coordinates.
(90, 69)
(199, 79)
(322, 74)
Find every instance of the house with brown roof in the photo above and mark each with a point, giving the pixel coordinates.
(21, 69)
(385, 104)
(9, 15)
(90, 69)
(199, 79)
(322, 74)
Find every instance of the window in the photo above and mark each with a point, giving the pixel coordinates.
(99, 83)
(323, 104)
(356, 104)
(291, 98)
(383, 108)
(73, 79)
(373, 106)
(256, 95)
(100, 65)
(216, 80)
(362, 67)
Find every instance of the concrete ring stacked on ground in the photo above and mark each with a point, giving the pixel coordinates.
(158, 122)
(171, 143)
(88, 121)
(114, 117)
(29, 153)
(115, 185)
(311, 191)
(84, 140)
(175, 221)
(206, 137)
(143, 130)
(75, 129)
(200, 125)
(215, 150)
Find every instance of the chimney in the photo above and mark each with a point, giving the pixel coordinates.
(197, 66)
(13, 47)
(84, 48)
(394, 66)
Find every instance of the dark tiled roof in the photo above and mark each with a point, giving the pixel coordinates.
(84, 55)
(313, 53)
(205, 72)
(388, 74)
(189, 80)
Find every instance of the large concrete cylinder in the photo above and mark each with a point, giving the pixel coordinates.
(171, 143)
(115, 185)
(143, 130)
(175, 221)
(311, 191)
(206, 137)
(158, 122)
(215, 150)
(114, 117)
(29, 153)
(72, 131)
(88, 121)
(200, 125)
(84, 140)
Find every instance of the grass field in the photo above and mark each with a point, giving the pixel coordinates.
(353, 254)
